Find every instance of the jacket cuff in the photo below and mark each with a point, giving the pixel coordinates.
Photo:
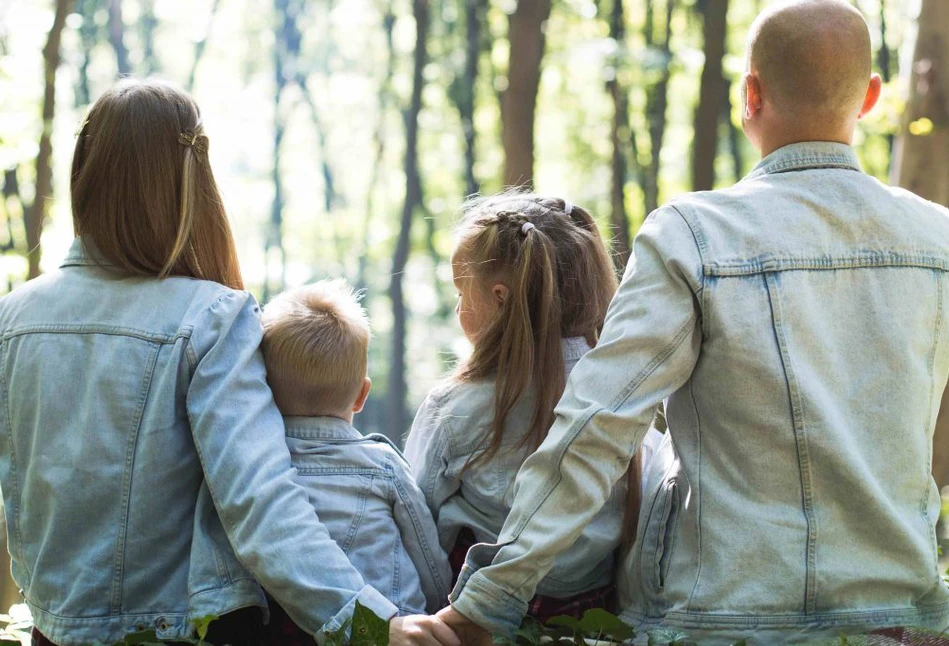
(486, 604)
(368, 597)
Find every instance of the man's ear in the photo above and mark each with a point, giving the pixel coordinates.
(874, 90)
(363, 395)
(751, 95)
(501, 293)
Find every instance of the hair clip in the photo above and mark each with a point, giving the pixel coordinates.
(80, 127)
(527, 228)
(195, 140)
(567, 207)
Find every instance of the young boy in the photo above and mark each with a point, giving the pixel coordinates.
(315, 345)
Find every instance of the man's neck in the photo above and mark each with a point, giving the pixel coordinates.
(772, 142)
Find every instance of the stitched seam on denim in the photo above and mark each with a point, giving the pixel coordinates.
(768, 263)
(13, 465)
(905, 615)
(701, 246)
(403, 494)
(698, 495)
(84, 329)
(312, 471)
(924, 506)
(358, 516)
(800, 440)
(554, 479)
(125, 503)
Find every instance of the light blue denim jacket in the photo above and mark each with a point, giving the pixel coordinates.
(139, 442)
(363, 492)
(799, 325)
(453, 425)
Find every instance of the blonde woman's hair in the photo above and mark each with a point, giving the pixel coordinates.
(142, 187)
(561, 280)
(316, 345)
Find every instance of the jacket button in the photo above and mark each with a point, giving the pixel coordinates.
(140, 627)
(162, 623)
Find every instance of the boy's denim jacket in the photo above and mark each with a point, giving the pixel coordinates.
(146, 480)
(452, 426)
(363, 492)
(799, 324)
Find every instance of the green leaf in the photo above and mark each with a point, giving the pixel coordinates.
(368, 628)
(201, 625)
(141, 638)
(9, 642)
(567, 621)
(597, 621)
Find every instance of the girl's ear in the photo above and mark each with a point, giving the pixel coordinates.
(501, 293)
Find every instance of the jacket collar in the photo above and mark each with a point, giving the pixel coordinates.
(83, 252)
(320, 428)
(806, 155)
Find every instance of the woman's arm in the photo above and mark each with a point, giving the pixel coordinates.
(238, 434)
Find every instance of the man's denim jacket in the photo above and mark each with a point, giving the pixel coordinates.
(363, 492)
(146, 480)
(452, 426)
(799, 325)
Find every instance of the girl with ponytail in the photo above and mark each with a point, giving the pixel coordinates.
(534, 280)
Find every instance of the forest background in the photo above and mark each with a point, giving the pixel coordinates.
(345, 134)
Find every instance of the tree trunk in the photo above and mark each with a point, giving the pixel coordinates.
(657, 99)
(147, 24)
(88, 34)
(519, 100)
(117, 37)
(202, 44)
(44, 172)
(474, 16)
(711, 96)
(922, 151)
(397, 421)
(619, 137)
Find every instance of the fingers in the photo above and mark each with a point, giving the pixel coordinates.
(445, 635)
(419, 630)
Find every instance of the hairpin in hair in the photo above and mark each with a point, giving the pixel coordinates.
(195, 139)
(80, 126)
(527, 228)
(567, 207)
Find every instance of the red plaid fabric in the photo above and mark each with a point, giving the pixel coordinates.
(540, 607)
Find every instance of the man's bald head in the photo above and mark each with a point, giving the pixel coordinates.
(812, 59)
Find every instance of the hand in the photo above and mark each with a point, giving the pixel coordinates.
(471, 634)
(421, 630)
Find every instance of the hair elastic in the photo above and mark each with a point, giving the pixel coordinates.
(527, 227)
(567, 207)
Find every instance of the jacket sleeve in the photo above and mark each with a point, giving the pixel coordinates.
(428, 451)
(238, 433)
(420, 537)
(648, 349)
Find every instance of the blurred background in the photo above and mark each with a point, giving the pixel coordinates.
(345, 134)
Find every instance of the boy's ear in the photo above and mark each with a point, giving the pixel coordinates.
(500, 292)
(363, 395)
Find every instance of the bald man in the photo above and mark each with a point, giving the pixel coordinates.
(798, 325)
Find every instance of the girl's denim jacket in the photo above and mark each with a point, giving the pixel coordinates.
(146, 481)
(452, 426)
(799, 325)
(363, 492)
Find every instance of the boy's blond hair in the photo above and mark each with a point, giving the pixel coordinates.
(316, 344)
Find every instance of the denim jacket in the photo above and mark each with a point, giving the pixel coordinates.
(363, 492)
(452, 426)
(797, 322)
(146, 481)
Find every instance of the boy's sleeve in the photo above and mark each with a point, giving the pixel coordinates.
(239, 436)
(427, 450)
(420, 538)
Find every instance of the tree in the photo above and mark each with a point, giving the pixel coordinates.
(117, 37)
(622, 139)
(463, 89)
(713, 95)
(519, 100)
(397, 419)
(921, 161)
(657, 100)
(36, 214)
